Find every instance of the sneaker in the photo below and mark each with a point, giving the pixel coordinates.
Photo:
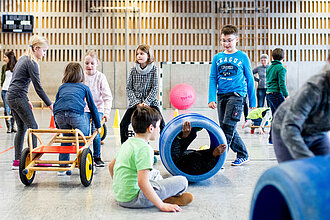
(156, 152)
(61, 173)
(240, 161)
(181, 200)
(15, 165)
(270, 142)
(98, 162)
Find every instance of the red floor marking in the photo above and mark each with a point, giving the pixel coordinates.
(7, 150)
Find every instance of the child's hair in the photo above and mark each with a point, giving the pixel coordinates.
(229, 29)
(264, 56)
(146, 48)
(92, 54)
(73, 73)
(278, 54)
(12, 60)
(143, 117)
(36, 41)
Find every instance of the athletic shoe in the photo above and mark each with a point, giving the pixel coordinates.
(156, 152)
(181, 200)
(98, 162)
(61, 173)
(240, 161)
(15, 165)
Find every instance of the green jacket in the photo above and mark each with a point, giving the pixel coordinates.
(3, 74)
(275, 76)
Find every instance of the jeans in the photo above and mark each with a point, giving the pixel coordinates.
(5, 104)
(261, 95)
(230, 107)
(274, 100)
(165, 188)
(126, 121)
(24, 117)
(70, 120)
(91, 129)
(320, 146)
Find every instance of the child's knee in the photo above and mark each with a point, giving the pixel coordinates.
(182, 181)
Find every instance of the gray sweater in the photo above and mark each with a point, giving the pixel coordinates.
(261, 70)
(26, 71)
(305, 116)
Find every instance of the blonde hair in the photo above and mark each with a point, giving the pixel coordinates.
(146, 48)
(92, 54)
(36, 41)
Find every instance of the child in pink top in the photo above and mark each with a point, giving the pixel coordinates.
(98, 84)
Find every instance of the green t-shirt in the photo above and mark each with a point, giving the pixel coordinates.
(134, 155)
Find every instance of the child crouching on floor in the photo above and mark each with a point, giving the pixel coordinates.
(134, 182)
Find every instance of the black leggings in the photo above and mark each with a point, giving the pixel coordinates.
(126, 121)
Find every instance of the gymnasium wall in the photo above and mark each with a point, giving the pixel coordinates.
(177, 30)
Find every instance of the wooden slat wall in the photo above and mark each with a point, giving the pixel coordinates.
(177, 30)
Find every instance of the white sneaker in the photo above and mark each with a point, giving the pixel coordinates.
(61, 173)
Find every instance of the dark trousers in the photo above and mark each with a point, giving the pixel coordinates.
(191, 161)
(24, 118)
(320, 146)
(274, 100)
(261, 95)
(126, 121)
(230, 107)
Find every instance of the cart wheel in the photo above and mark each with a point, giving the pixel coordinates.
(26, 177)
(86, 167)
(103, 132)
(252, 130)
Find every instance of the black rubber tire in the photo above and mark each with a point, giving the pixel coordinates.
(104, 132)
(86, 167)
(28, 178)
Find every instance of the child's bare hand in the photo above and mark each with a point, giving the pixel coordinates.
(186, 129)
(212, 105)
(98, 131)
(261, 131)
(106, 117)
(166, 207)
(219, 150)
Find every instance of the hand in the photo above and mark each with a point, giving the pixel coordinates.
(166, 207)
(252, 107)
(219, 150)
(212, 105)
(31, 106)
(261, 131)
(98, 131)
(139, 105)
(145, 105)
(106, 117)
(186, 129)
(51, 107)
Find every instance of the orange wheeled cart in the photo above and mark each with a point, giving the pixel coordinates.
(30, 158)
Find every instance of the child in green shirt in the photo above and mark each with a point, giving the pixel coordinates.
(134, 182)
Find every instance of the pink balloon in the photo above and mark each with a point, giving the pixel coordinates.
(182, 96)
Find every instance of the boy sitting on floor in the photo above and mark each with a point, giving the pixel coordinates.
(134, 182)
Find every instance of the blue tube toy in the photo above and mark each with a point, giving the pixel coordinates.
(174, 127)
(294, 190)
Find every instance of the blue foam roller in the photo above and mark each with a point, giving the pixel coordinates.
(294, 190)
(174, 127)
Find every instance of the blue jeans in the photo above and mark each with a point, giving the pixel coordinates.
(261, 95)
(24, 117)
(320, 146)
(230, 109)
(70, 120)
(5, 104)
(97, 140)
(274, 100)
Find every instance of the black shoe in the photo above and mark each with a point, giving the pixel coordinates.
(156, 152)
(98, 162)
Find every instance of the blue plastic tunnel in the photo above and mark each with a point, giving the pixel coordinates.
(294, 190)
(174, 127)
